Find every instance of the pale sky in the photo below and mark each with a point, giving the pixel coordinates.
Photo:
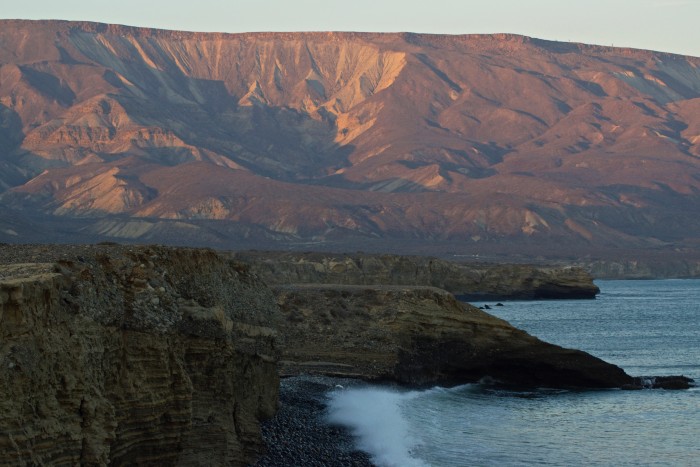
(665, 25)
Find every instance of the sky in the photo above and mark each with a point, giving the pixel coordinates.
(664, 25)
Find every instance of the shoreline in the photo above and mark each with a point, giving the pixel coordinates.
(299, 435)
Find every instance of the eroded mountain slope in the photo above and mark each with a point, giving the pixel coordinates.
(474, 139)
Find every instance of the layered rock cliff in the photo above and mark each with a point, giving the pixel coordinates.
(383, 318)
(422, 335)
(473, 281)
(132, 356)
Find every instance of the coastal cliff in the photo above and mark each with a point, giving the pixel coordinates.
(422, 336)
(473, 281)
(133, 355)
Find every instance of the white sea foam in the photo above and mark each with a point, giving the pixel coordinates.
(375, 417)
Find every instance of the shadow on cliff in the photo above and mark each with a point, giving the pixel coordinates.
(283, 143)
(11, 137)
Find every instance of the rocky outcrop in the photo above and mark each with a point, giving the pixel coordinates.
(421, 336)
(661, 382)
(469, 281)
(132, 356)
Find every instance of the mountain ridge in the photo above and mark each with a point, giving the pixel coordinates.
(116, 28)
(325, 135)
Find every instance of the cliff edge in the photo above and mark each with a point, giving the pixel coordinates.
(473, 281)
(133, 355)
(422, 336)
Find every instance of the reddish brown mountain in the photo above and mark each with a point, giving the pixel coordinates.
(477, 142)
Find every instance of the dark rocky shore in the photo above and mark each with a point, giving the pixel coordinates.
(299, 435)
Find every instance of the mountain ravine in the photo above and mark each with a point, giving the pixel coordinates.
(469, 144)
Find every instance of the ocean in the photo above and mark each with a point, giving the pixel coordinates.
(648, 328)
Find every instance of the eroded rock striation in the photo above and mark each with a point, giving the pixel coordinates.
(473, 281)
(133, 355)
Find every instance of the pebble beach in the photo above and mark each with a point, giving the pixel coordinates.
(299, 434)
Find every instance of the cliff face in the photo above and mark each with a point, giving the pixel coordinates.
(422, 335)
(395, 318)
(469, 281)
(123, 356)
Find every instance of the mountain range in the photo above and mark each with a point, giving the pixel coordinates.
(492, 144)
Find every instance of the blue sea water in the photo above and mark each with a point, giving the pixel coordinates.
(646, 327)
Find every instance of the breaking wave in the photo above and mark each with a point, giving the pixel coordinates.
(375, 417)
